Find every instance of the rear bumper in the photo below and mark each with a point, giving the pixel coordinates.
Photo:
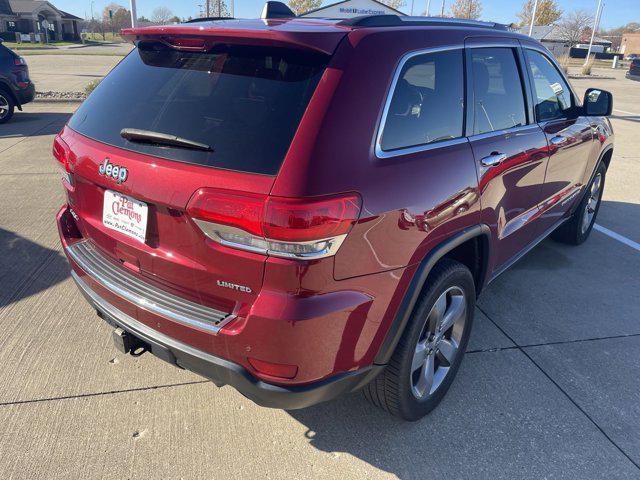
(25, 95)
(224, 372)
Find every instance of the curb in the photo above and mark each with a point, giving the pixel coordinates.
(592, 77)
(58, 100)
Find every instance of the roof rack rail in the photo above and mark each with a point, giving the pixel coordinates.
(273, 9)
(208, 19)
(398, 21)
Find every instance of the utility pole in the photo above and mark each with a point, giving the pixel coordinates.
(134, 14)
(208, 4)
(442, 9)
(428, 6)
(596, 22)
(533, 17)
(412, 2)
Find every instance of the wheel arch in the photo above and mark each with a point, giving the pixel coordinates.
(457, 247)
(5, 87)
(606, 155)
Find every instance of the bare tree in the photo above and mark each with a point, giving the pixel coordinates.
(98, 26)
(301, 6)
(121, 19)
(395, 4)
(161, 15)
(547, 12)
(118, 19)
(216, 8)
(466, 9)
(574, 26)
(614, 35)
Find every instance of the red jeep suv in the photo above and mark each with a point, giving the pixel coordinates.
(301, 208)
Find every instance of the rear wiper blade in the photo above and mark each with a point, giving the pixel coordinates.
(165, 139)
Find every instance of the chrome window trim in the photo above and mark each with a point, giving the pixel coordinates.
(382, 154)
(524, 78)
(504, 131)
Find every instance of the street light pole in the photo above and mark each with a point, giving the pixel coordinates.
(134, 14)
(428, 6)
(442, 9)
(596, 22)
(533, 17)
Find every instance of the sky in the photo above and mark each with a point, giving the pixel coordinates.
(615, 13)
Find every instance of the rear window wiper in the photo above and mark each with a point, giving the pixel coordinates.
(163, 139)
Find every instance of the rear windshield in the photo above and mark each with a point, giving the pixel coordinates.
(244, 102)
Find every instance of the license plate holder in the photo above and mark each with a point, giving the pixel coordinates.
(125, 215)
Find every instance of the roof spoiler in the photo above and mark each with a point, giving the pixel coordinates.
(273, 9)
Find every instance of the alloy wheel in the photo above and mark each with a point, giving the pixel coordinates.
(592, 203)
(439, 342)
(4, 106)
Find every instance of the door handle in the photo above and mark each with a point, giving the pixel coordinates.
(493, 159)
(558, 141)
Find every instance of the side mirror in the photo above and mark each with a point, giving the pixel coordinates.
(597, 103)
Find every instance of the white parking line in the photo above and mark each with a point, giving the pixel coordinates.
(627, 113)
(617, 236)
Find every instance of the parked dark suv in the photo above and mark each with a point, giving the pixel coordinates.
(16, 89)
(302, 208)
(634, 69)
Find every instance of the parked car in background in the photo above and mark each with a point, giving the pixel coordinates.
(301, 208)
(634, 69)
(16, 89)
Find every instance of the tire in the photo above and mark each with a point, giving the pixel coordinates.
(401, 388)
(7, 106)
(577, 229)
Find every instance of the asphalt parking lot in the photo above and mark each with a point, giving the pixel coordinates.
(550, 387)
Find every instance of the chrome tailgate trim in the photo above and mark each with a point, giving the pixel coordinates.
(142, 294)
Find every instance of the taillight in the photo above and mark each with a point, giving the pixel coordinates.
(61, 154)
(19, 61)
(284, 227)
(241, 210)
(302, 220)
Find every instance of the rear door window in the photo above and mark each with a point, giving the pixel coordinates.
(427, 104)
(497, 88)
(244, 102)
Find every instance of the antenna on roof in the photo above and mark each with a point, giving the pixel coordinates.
(274, 9)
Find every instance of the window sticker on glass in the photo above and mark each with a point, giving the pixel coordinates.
(557, 88)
